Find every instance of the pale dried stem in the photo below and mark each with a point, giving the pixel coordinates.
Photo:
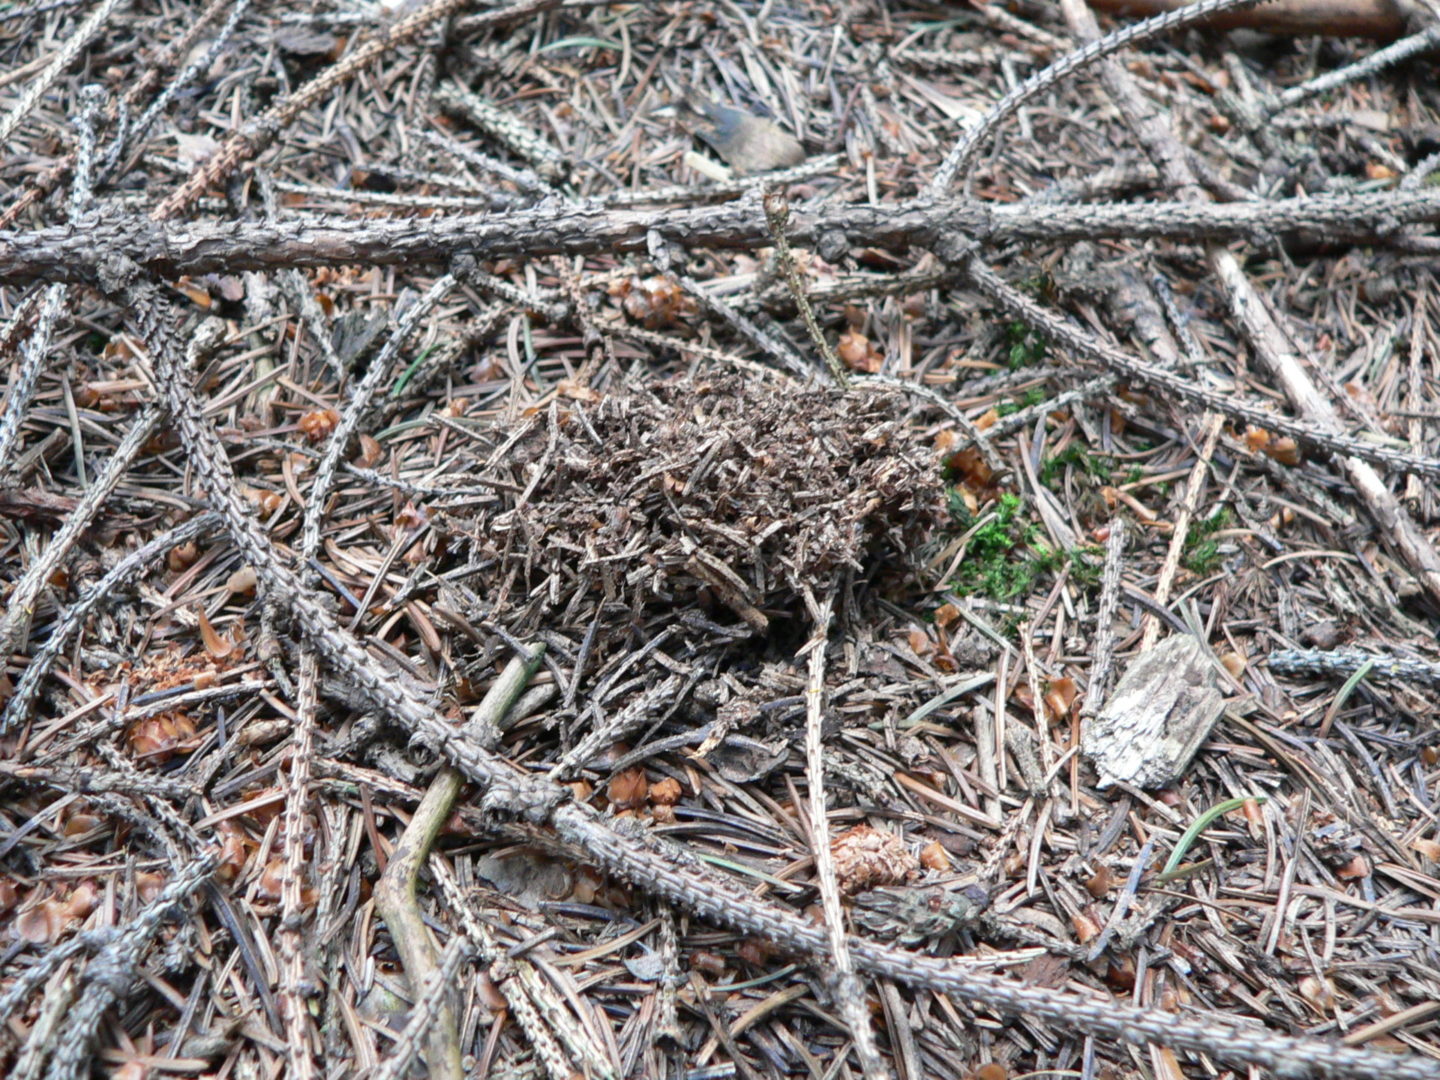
(1414, 381)
(1104, 657)
(962, 155)
(40, 86)
(395, 893)
(516, 991)
(356, 408)
(431, 1004)
(1273, 350)
(20, 605)
(1262, 329)
(32, 362)
(1212, 424)
(291, 938)
(849, 991)
(28, 688)
(58, 1000)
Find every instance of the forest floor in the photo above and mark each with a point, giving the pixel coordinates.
(642, 478)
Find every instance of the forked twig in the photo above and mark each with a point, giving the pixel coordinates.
(18, 707)
(962, 154)
(109, 976)
(40, 85)
(395, 893)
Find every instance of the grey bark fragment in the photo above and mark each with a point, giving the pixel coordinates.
(1158, 716)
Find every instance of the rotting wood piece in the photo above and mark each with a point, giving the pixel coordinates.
(1161, 712)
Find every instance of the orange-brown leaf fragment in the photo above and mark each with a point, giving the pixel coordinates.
(933, 856)
(216, 645)
(319, 424)
(1060, 695)
(370, 452)
(628, 789)
(182, 556)
(1285, 450)
(856, 353)
(1430, 849)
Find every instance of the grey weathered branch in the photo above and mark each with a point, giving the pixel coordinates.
(81, 253)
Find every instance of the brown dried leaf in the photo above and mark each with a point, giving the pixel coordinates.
(1428, 848)
(933, 856)
(657, 302)
(242, 582)
(629, 789)
(370, 452)
(217, 646)
(1060, 695)
(1320, 993)
(1098, 884)
(577, 391)
(856, 352)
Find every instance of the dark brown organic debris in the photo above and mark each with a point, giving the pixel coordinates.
(720, 498)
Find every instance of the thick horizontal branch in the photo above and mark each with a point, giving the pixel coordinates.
(1342, 217)
(87, 251)
(1381, 19)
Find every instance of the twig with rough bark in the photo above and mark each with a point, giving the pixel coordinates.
(26, 690)
(961, 156)
(110, 975)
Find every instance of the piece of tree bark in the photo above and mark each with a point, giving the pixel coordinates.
(1158, 716)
